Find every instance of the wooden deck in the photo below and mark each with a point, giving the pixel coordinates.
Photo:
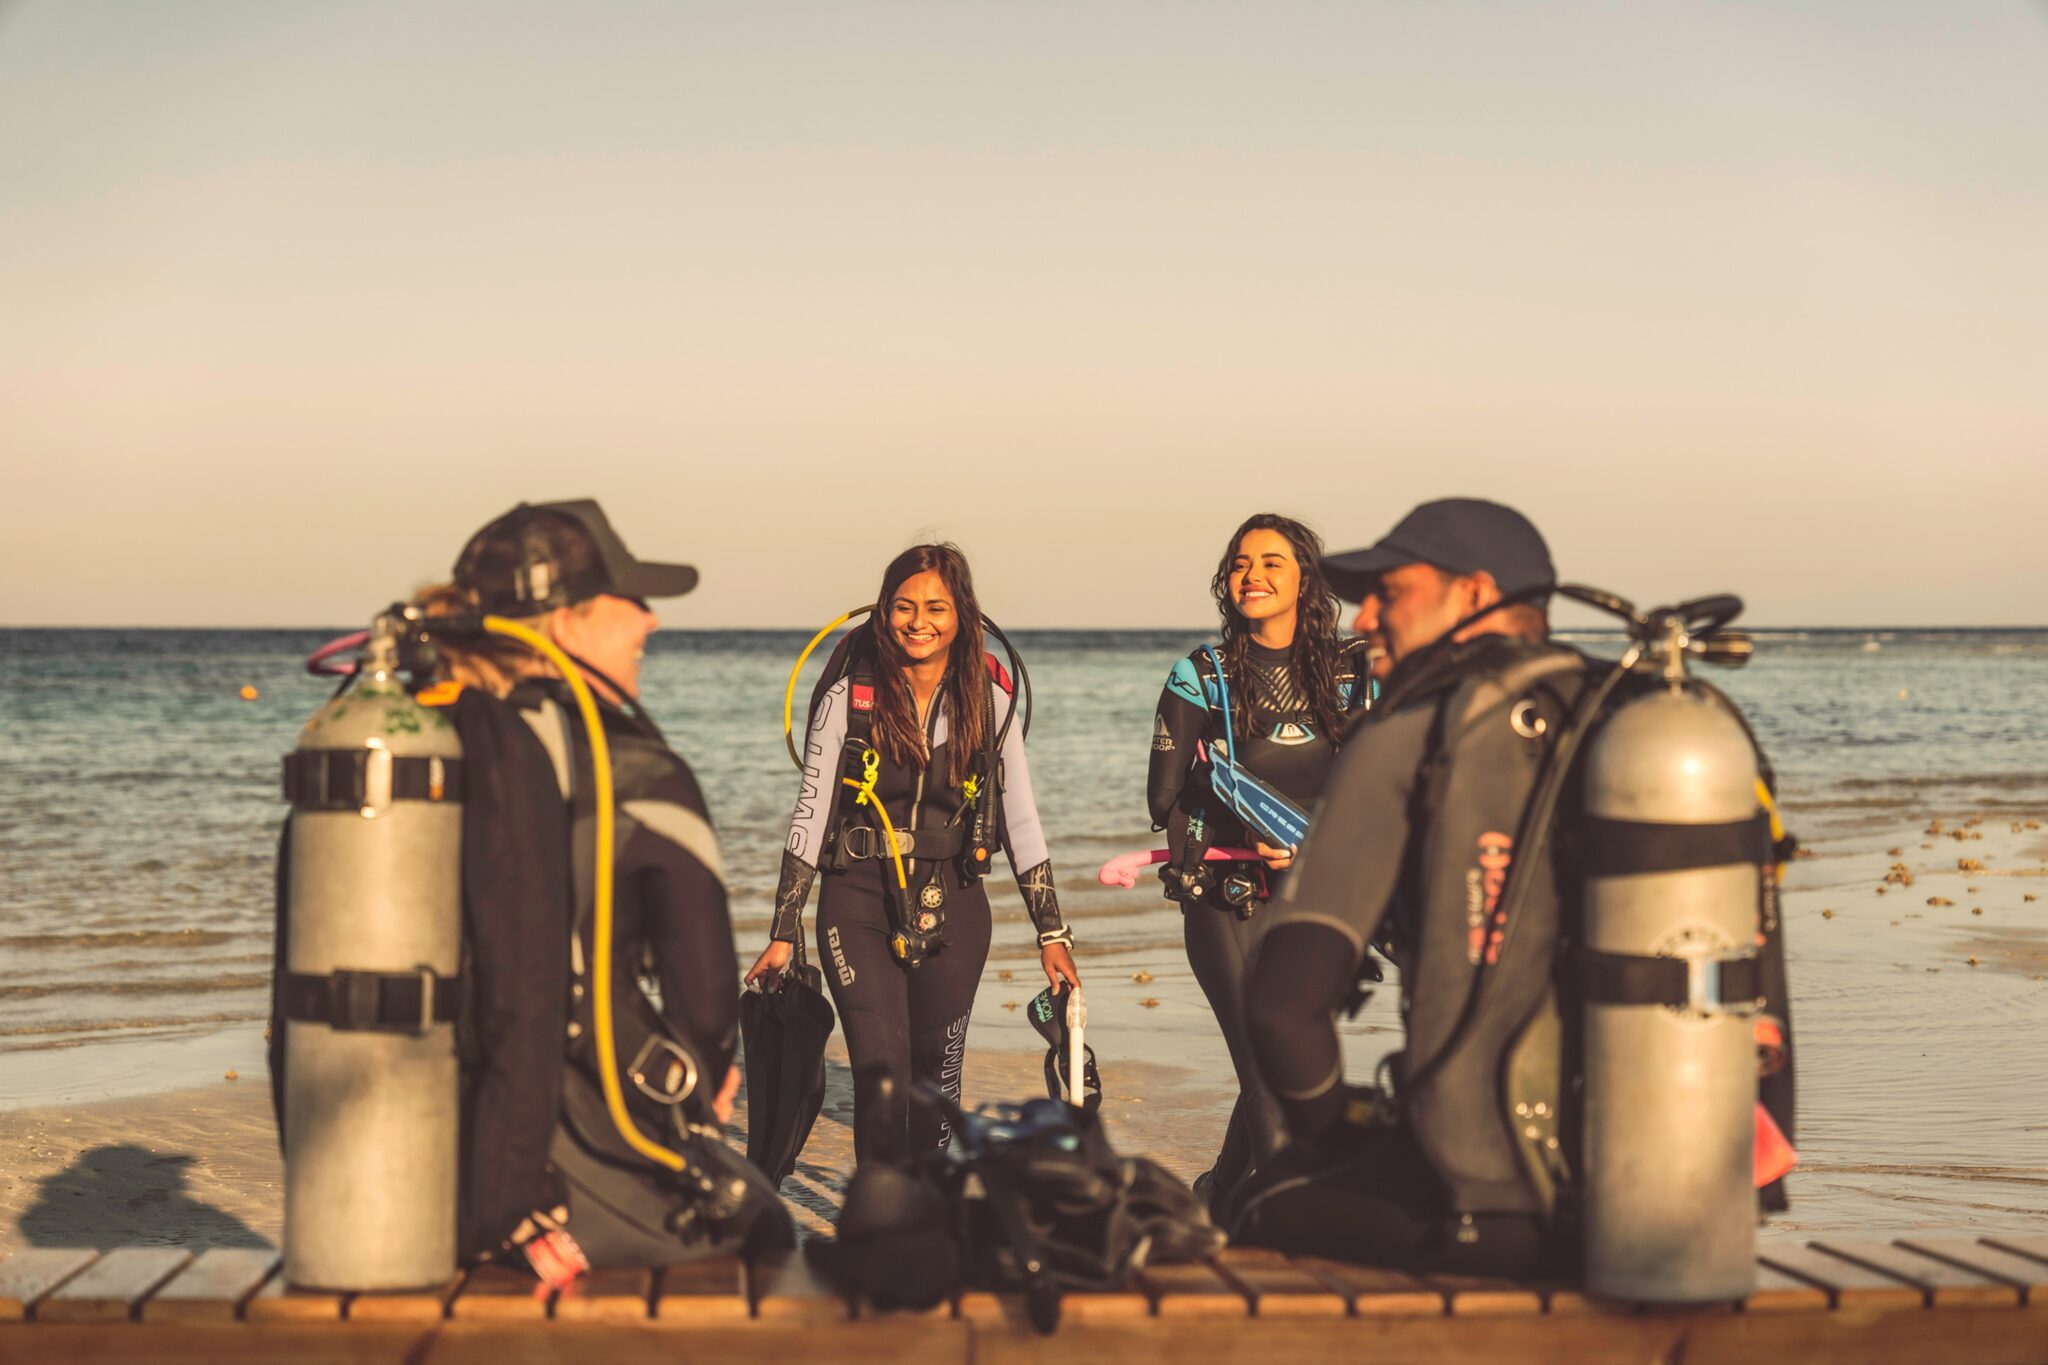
(1955, 1300)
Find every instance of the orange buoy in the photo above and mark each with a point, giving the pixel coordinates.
(249, 693)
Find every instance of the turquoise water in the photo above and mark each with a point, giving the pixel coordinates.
(139, 809)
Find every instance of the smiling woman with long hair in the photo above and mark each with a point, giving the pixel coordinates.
(1291, 680)
(919, 695)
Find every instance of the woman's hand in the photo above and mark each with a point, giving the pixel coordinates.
(1278, 859)
(773, 959)
(1058, 961)
(727, 1093)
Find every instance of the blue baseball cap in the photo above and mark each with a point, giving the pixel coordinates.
(1457, 535)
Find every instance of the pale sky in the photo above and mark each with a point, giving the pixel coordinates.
(1746, 297)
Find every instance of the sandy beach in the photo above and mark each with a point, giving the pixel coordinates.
(1933, 944)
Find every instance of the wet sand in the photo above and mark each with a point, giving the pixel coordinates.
(1920, 987)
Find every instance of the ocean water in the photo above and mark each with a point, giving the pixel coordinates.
(140, 808)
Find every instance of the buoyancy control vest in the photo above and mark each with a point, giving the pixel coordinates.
(664, 1082)
(930, 839)
(1580, 918)
(1262, 725)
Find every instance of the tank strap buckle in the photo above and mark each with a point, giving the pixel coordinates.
(366, 1001)
(1698, 985)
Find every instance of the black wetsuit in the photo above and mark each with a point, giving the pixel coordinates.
(1277, 742)
(902, 1021)
(535, 1137)
(1350, 1187)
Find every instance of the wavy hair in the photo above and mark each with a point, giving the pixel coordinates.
(964, 689)
(1316, 641)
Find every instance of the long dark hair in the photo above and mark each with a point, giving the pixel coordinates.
(1316, 642)
(964, 690)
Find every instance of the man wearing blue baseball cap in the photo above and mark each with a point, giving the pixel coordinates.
(1409, 851)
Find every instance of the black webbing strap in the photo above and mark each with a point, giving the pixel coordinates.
(1622, 848)
(383, 1002)
(1685, 983)
(862, 842)
(339, 779)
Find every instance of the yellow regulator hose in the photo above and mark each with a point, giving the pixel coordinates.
(789, 693)
(601, 946)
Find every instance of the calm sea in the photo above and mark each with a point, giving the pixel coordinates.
(139, 810)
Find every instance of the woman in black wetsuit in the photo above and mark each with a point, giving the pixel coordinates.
(923, 698)
(1292, 682)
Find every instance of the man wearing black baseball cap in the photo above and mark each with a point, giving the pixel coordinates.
(1446, 562)
(1408, 851)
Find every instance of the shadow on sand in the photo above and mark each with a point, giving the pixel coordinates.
(123, 1195)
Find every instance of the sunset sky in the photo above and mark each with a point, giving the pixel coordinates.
(1749, 297)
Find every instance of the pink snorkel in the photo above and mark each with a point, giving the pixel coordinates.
(1122, 870)
(316, 662)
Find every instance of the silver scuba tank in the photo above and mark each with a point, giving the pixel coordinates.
(1673, 860)
(369, 991)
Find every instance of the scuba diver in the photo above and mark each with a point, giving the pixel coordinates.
(913, 773)
(1573, 863)
(592, 1005)
(1268, 705)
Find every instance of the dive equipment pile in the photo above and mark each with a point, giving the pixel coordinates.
(1029, 1198)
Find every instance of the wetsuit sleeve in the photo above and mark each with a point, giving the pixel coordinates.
(1024, 836)
(1176, 728)
(676, 873)
(816, 798)
(1326, 914)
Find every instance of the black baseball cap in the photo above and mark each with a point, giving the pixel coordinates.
(555, 554)
(1457, 535)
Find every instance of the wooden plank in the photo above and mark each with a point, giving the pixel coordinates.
(1277, 1289)
(405, 1305)
(1847, 1285)
(702, 1291)
(1945, 1285)
(610, 1294)
(1777, 1292)
(214, 1287)
(2034, 1248)
(109, 1289)
(1375, 1292)
(1130, 1305)
(278, 1302)
(500, 1293)
(784, 1290)
(1195, 1289)
(28, 1275)
(1571, 1301)
(1480, 1296)
(2029, 1276)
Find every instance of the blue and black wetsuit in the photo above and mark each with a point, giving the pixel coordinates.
(1278, 742)
(904, 1021)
